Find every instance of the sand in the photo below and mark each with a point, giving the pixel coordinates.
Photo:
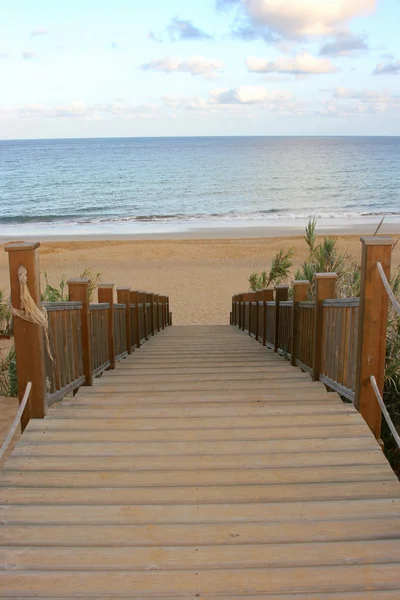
(199, 275)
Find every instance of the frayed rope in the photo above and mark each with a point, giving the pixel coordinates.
(29, 310)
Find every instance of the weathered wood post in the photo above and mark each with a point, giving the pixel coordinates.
(162, 298)
(235, 312)
(373, 315)
(325, 289)
(259, 298)
(168, 313)
(142, 300)
(232, 319)
(28, 337)
(105, 293)
(250, 297)
(78, 291)
(268, 296)
(244, 300)
(300, 294)
(134, 298)
(241, 312)
(281, 295)
(150, 298)
(157, 310)
(123, 297)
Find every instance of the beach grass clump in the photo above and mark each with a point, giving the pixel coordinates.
(54, 294)
(326, 258)
(60, 292)
(94, 280)
(6, 320)
(279, 272)
(8, 374)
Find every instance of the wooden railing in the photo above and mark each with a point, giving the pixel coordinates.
(99, 329)
(339, 349)
(335, 340)
(64, 373)
(120, 332)
(285, 328)
(304, 334)
(84, 339)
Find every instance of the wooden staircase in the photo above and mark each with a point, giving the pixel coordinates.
(204, 466)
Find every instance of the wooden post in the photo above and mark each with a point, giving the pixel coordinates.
(268, 296)
(150, 297)
(78, 291)
(244, 300)
(134, 298)
(157, 304)
(28, 337)
(233, 311)
(240, 311)
(168, 313)
(325, 289)
(105, 293)
(300, 294)
(123, 297)
(259, 298)
(281, 295)
(142, 300)
(373, 315)
(250, 296)
(162, 299)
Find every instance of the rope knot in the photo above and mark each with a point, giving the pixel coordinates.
(29, 311)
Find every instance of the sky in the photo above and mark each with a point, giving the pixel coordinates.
(110, 68)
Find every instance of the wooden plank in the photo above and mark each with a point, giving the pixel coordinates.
(207, 513)
(188, 434)
(212, 494)
(228, 397)
(198, 533)
(229, 556)
(364, 595)
(220, 581)
(253, 476)
(241, 447)
(199, 461)
(215, 422)
(198, 409)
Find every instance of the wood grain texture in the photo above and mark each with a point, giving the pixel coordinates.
(203, 467)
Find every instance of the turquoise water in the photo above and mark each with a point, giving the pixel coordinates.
(135, 185)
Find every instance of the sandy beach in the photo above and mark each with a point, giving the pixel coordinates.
(199, 274)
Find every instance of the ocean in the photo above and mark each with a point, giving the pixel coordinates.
(156, 185)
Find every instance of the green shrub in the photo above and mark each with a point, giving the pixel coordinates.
(279, 272)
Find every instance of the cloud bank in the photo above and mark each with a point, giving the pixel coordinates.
(302, 64)
(196, 66)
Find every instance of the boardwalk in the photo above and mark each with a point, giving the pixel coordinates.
(204, 466)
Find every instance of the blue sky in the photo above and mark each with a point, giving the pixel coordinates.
(212, 67)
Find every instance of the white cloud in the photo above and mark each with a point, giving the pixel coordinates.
(248, 94)
(302, 64)
(388, 68)
(78, 109)
(196, 66)
(346, 102)
(344, 45)
(298, 19)
(307, 18)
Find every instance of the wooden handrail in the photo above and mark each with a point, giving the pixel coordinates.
(84, 339)
(341, 342)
